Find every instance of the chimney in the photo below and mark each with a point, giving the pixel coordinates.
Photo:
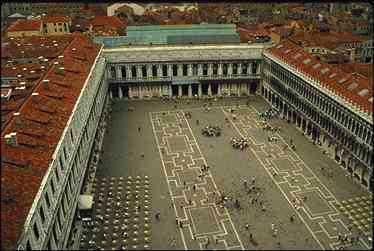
(45, 83)
(17, 118)
(61, 70)
(11, 139)
(35, 96)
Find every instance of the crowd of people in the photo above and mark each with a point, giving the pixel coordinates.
(211, 131)
(239, 143)
(269, 114)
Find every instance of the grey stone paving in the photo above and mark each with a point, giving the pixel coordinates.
(122, 157)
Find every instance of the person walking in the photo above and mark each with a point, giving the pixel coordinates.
(139, 128)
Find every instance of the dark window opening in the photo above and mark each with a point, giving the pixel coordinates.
(53, 186)
(47, 200)
(194, 69)
(205, 69)
(175, 70)
(224, 69)
(41, 212)
(28, 246)
(235, 69)
(144, 71)
(164, 70)
(154, 70)
(123, 71)
(36, 231)
(184, 70)
(133, 71)
(215, 69)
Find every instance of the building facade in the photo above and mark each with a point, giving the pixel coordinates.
(190, 71)
(341, 125)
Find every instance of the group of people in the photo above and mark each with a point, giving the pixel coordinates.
(269, 114)
(239, 143)
(211, 131)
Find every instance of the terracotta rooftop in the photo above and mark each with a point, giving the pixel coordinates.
(56, 19)
(329, 40)
(354, 88)
(107, 21)
(25, 25)
(41, 122)
(34, 47)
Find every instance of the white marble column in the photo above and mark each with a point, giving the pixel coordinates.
(170, 70)
(200, 91)
(229, 69)
(180, 70)
(210, 90)
(199, 70)
(139, 71)
(128, 72)
(179, 90)
(170, 91)
(111, 95)
(118, 72)
(249, 69)
(189, 91)
(159, 71)
(239, 69)
(149, 71)
(220, 69)
(189, 70)
(210, 69)
(219, 90)
(258, 69)
(120, 93)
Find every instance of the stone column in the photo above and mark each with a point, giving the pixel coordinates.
(189, 70)
(249, 69)
(128, 71)
(111, 95)
(200, 91)
(239, 87)
(159, 71)
(199, 70)
(239, 69)
(220, 70)
(219, 90)
(189, 91)
(170, 70)
(210, 69)
(139, 71)
(179, 90)
(229, 69)
(170, 91)
(180, 70)
(210, 90)
(258, 69)
(149, 71)
(120, 93)
(118, 72)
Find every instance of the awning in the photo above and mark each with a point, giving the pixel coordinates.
(85, 202)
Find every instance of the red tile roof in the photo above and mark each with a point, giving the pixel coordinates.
(23, 167)
(25, 25)
(107, 21)
(56, 19)
(331, 79)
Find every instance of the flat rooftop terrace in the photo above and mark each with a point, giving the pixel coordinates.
(156, 140)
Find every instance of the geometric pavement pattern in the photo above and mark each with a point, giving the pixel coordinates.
(296, 181)
(204, 224)
(121, 215)
(360, 211)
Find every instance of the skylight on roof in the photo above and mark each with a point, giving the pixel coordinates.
(363, 92)
(324, 70)
(307, 61)
(297, 56)
(316, 66)
(279, 46)
(332, 75)
(352, 86)
(342, 80)
(287, 51)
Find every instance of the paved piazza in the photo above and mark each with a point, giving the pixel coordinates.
(170, 150)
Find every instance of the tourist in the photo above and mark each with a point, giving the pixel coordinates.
(247, 226)
(245, 183)
(139, 129)
(157, 215)
(181, 224)
(194, 187)
(197, 122)
(292, 218)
